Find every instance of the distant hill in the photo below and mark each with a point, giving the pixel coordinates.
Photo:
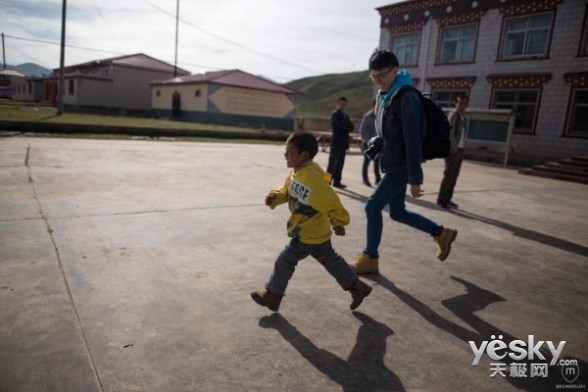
(30, 69)
(321, 93)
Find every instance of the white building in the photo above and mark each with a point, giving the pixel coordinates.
(118, 83)
(230, 97)
(530, 56)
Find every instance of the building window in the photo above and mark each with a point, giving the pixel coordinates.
(197, 93)
(584, 43)
(158, 93)
(578, 116)
(526, 37)
(30, 87)
(71, 87)
(458, 44)
(524, 103)
(406, 48)
(447, 98)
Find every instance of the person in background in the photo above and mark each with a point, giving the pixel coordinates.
(402, 139)
(341, 126)
(459, 128)
(368, 130)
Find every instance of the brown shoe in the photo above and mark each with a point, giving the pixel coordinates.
(358, 291)
(444, 241)
(267, 299)
(364, 264)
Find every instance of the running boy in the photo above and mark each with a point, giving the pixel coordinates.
(315, 207)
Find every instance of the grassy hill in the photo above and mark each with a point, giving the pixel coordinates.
(321, 93)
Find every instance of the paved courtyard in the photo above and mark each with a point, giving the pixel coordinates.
(127, 266)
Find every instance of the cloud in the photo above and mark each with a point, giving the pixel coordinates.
(284, 40)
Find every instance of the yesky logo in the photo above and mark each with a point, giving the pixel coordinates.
(517, 350)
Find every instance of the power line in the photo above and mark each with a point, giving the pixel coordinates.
(58, 44)
(84, 48)
(183, 64)
(235, 43)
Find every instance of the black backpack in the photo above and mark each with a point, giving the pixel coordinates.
(436, 144)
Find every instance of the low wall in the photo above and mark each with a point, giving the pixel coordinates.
(56, 128)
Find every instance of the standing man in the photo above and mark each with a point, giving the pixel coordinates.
(402, 135)
(368, 131)
(459, 127)
(341, 126)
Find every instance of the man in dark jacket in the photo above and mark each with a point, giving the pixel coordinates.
(341, 126)
(402, 134)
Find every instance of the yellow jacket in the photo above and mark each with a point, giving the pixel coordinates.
(315, 207)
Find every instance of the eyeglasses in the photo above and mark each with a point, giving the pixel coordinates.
(380, 76)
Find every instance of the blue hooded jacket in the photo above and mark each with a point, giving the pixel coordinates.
(403, 133)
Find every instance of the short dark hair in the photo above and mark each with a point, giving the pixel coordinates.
(462, 96)
(304, 141)
(342, 99)
(383, 58)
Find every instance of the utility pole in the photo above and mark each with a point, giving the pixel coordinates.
(177, 23)
(62, 61)
(3, 53)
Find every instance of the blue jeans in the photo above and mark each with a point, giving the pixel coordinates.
(391, 191)
(323, 253)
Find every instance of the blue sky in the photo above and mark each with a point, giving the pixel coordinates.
(282, 40)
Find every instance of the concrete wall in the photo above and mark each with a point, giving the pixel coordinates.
(113, 87)
(194, 97)
(211, 103)
(27, 89)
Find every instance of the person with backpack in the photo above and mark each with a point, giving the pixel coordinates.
(402, 135)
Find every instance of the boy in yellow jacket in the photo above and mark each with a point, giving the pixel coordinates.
(315, 207)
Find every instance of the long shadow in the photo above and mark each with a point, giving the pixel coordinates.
(517, 231)
(363, 371)
(527, 234)
(464, 306)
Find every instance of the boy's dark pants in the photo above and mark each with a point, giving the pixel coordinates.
(323, 253)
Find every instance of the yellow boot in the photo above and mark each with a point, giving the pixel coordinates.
(444, 241)
(364, 264)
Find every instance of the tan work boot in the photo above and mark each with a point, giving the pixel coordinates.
(444, 241)
(358, 291)
(364, 264)
(267, 299)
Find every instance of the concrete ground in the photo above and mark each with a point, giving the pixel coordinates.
(127, 266)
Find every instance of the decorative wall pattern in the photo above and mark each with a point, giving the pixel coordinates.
(577, 79)
(452, 83)
(519, 81)
(529, 7)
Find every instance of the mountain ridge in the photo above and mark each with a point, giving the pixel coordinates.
(320, 94)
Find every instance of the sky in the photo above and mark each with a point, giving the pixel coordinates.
(282, 40)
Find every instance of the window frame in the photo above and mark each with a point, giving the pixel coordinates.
(393, 37)
(583, 49)
(453, 94)
(518, 57)
(570, 115)
(439, 57)
(519, 130)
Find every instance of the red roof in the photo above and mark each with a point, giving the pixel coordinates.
(235, 77)
(139, 60)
